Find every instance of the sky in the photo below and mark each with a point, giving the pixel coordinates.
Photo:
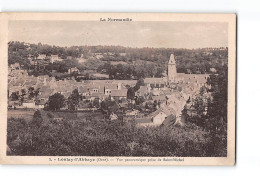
(128, 34)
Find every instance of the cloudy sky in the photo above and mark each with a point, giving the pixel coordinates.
(132, 34)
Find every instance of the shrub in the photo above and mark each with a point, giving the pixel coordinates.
(108, 138)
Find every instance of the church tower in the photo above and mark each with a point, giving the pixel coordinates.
(171, 69)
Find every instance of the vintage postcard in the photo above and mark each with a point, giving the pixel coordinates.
(117, 88)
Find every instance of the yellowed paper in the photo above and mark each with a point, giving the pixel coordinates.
(117, 88)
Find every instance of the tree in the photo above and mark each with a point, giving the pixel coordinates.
(37, 118)
(159, 72)
(73, 100)
(56, 102)
(96, 103)
(14, 96)
(216, 118)
(31, 92)
(138, 84)
(23, 95)
(155, 104)
(202, 90)
(36, 92)
(108, 106)
(217, 109)
(131, 93)
(139, 100)
(184, 113)
(131, 90)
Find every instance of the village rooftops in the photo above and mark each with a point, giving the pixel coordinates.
(41, 57)
(170, 120)
(83, 89)
(154, 81)
(167, 110)
(111, 86)
(119, 93)
(19, 82)
(45, 94)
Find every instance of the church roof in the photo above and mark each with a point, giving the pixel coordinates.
(154, 81)
(172, 60)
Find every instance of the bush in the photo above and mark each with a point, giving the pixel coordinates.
(108, 138)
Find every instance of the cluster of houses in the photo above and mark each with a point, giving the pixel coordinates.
(172, 91)
(19, 80)
(44, 59)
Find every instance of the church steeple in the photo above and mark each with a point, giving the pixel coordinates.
(172, 60)
(171, 69)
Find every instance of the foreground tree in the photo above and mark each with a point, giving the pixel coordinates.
(130, 93)
(73, 100)
(56, 102)
(37, 118)
(217, 109)
(109, 106)
(14, 96)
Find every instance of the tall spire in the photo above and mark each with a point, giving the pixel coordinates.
(172, 60)
(172, 71)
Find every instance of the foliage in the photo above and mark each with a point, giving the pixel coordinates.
(73, 100)
(139, 83)
(107, 138)
(211, 114)
(109, 106)
(131, 93)
(56, 102)
(14, 96)
(37, 118)
(131, 90)
(136, 63)
(139, 100)
(96, 103)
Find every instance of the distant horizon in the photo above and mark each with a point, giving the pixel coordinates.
(113, 46)
(179, 35)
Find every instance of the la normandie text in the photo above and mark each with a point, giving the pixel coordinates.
(114, 19)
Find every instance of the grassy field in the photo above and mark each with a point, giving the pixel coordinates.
(28, 115)
(25, 114)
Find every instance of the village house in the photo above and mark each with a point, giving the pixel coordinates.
(41, 57)
(122, 54)
(15, 66)
(132, 113)
(113, 116)
(73, 70)
(55, 58)
(29, 104)
(69, 57)
(172, 91)
(81, 60)
(99, 56)
(42, 60)
(99, 75)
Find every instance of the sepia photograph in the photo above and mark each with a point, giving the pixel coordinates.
(117, 88)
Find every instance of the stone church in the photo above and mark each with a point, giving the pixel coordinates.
(174, 78)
